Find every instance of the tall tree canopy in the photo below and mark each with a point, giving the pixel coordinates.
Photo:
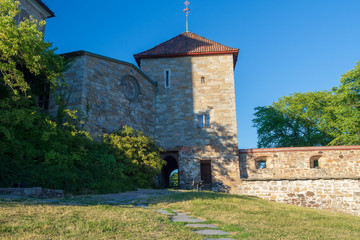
(23, 52)
(37, 151)
(313, 118)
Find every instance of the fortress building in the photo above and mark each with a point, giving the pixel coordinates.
(182, 94)
(35, 8)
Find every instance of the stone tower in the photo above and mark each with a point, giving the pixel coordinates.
(195, 112)
(35, 8)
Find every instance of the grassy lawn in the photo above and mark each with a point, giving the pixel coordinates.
(252, 218)
(244, 217)
(19, 221)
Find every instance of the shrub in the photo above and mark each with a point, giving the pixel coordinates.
(37, 151)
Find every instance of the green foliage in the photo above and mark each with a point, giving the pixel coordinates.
(174, 179)
(346, 108)
(39, 152)
(139, 153)
(24, 52)
(313, 118)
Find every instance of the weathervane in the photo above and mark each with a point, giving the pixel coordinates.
(187, 10)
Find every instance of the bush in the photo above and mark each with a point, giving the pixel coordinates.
(36, 151)
(139, 154)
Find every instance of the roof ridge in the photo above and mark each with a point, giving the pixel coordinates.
(160, 44)
(186, 44)
(212, 41)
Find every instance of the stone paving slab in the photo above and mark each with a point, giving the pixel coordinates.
(219, 239)
(186, 219)
(201, 225)
(165, 212)
(197, 223)
(211, 232)
(182, 214)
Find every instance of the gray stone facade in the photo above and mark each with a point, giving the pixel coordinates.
(201, 82)
(35, 8)
(110, 93)
(178, 106)
(198, 85)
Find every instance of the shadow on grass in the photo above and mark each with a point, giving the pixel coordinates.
(193, 195)
(141, 198)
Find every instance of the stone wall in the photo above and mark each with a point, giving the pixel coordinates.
(290, 178)
(35, 192)
(335, 194)
(224, 167)
(112, 93)
(33, 8)
(198, 85)
(335, 161)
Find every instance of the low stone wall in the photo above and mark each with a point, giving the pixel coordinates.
(295, 162)
(335, 194)
(36, 192)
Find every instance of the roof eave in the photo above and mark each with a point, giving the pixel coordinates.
(138, 57)
(46, 8)
(86, 53)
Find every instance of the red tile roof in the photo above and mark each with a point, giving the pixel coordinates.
(187, 44)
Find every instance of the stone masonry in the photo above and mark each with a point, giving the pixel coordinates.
(36, 9)
(96, 87)
(290, 178)
(201, 74)
(335, 194)
(199, 85)
(338, 161)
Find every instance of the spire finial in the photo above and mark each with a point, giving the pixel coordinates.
(186, 11)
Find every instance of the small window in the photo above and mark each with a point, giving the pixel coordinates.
(203, 120)
(167, 74)
(260, 163)
(314, 162)
(202, 79)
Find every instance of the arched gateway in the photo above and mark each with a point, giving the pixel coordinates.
(171, 165)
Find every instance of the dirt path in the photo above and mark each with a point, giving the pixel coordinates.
(138, 198)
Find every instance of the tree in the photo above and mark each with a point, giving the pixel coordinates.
(174, 179)
(313, 118)
(23, 52)
(38, 151)
(139, 154)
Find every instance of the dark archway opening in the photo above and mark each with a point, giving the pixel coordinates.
(171, 165)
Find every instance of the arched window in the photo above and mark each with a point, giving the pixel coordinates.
(260, 162)
(314, 161)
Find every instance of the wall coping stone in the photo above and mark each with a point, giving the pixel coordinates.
(302, 178)
(295, 149)
(37, 192)
(85, 53)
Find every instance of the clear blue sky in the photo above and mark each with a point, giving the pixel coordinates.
(286, 46)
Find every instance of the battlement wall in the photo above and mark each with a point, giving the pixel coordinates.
(300, 162)
(318, 177)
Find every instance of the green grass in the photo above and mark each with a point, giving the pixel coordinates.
(18, 221)
(244, 217)
(253, 218)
